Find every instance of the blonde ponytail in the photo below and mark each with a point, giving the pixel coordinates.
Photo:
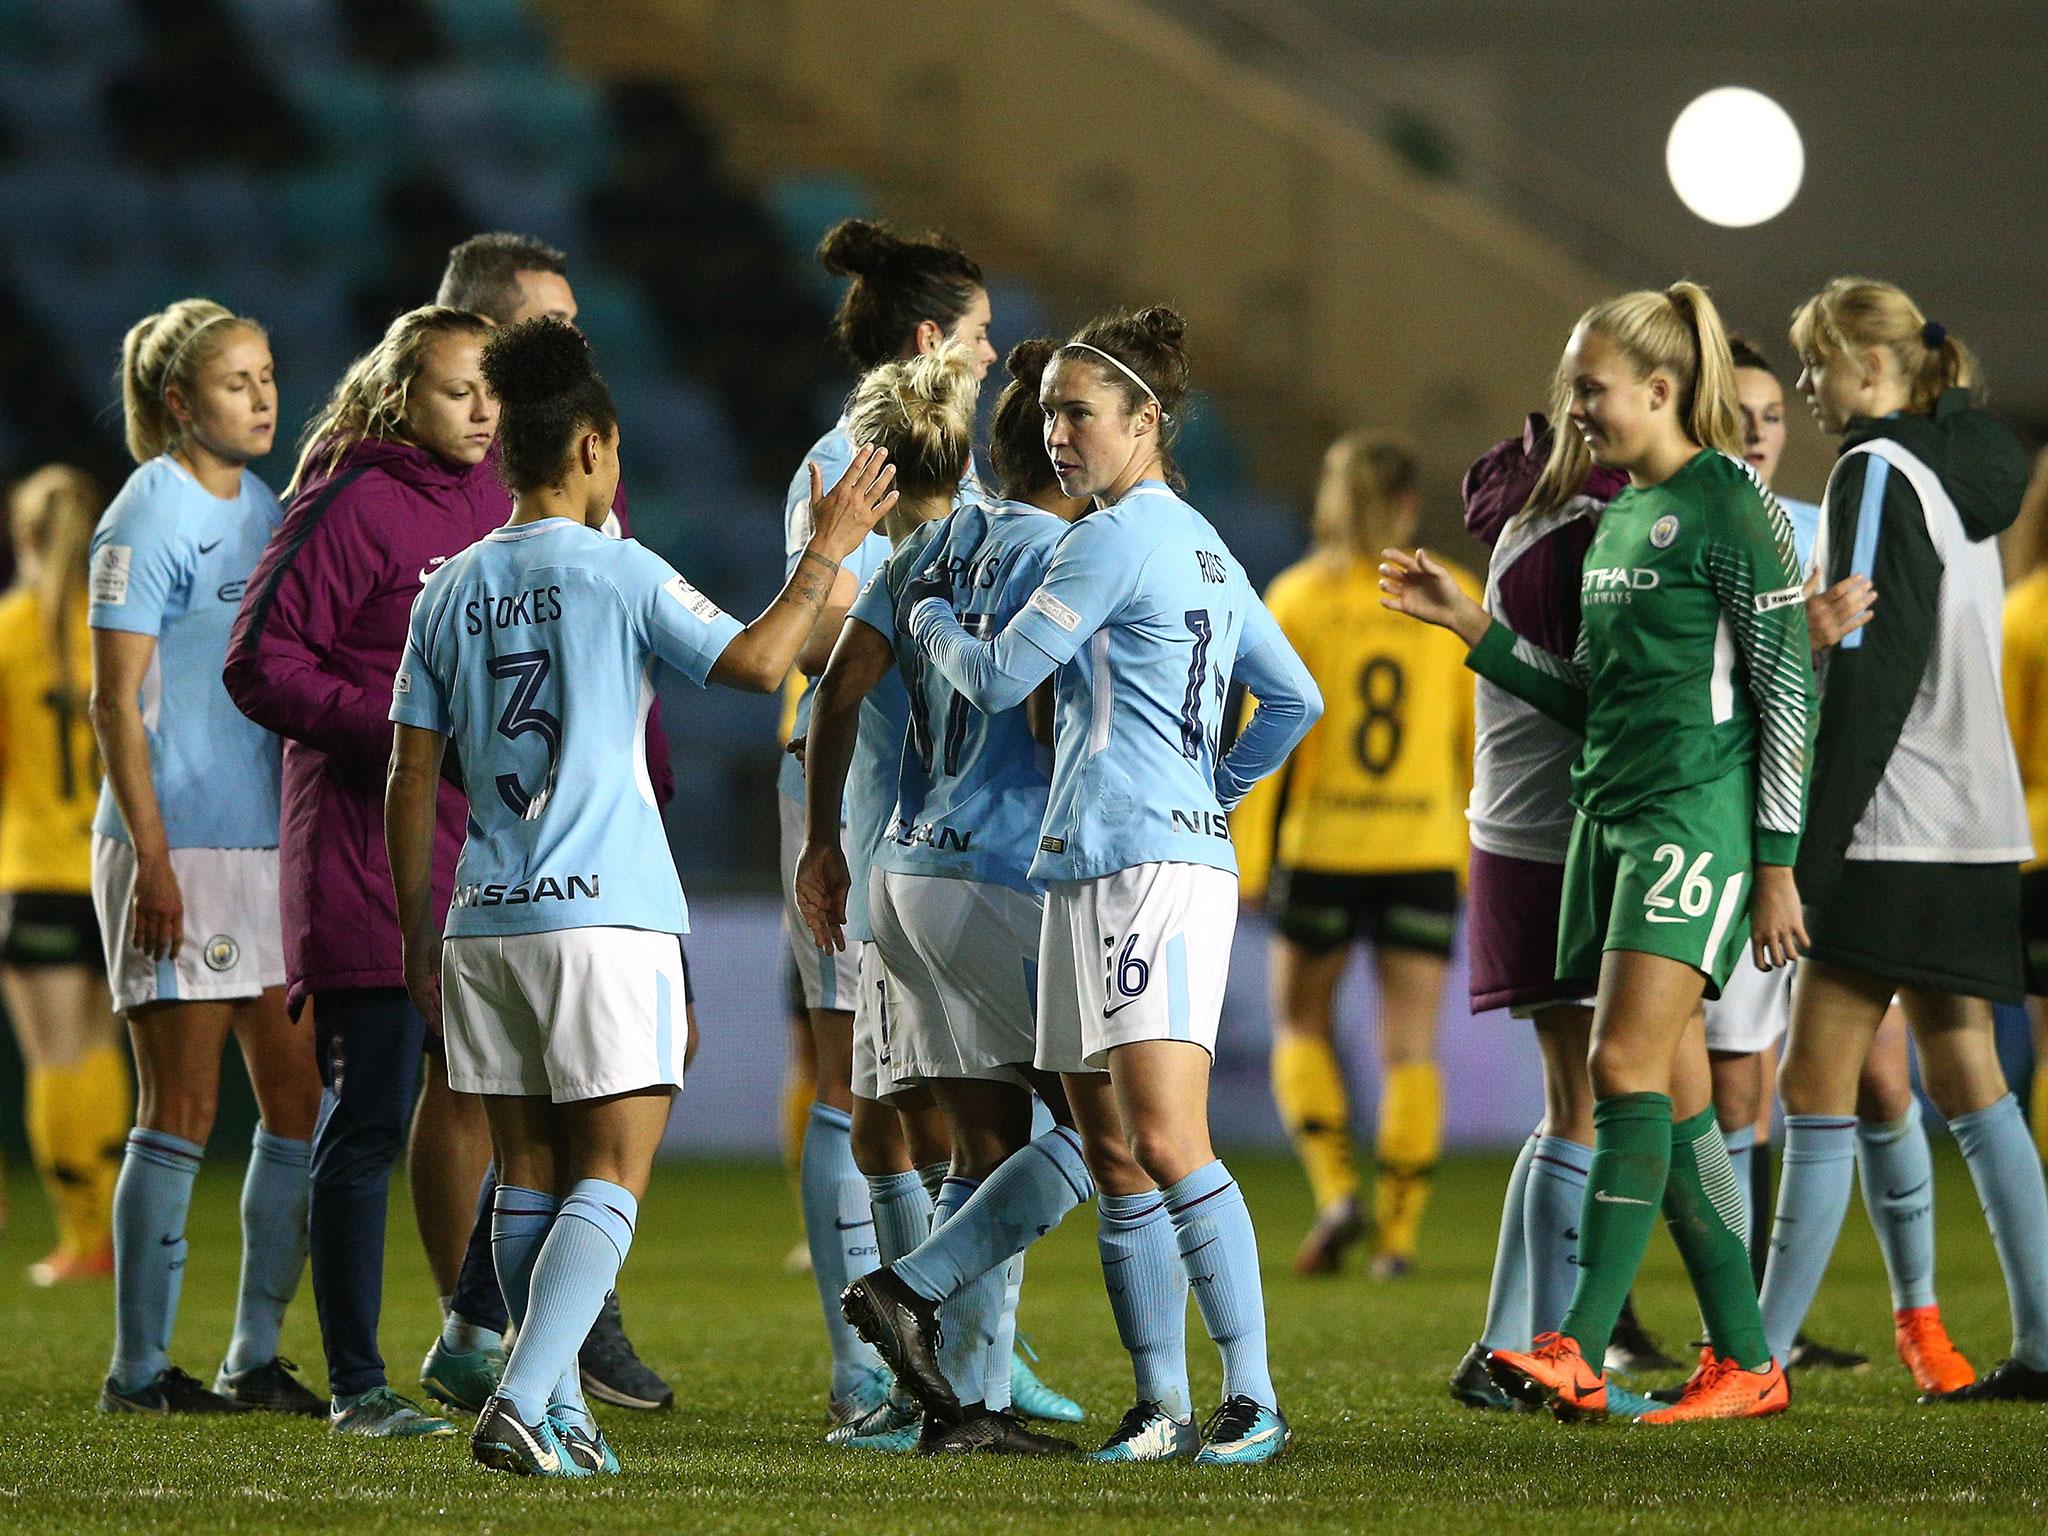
(1366, 476)
(921, 410)
(61, 505)
(1856, 314)
(164, 350)
(1677, 330)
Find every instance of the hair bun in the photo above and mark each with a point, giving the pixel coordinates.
(858, 248)
(536, 360)
(1162, 325)
(1027, 360)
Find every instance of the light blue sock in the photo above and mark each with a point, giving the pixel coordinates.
(1507, 1298)
(1213, 1229)
(1897, 1172)
(1741, 1152)
(933, 1177)
(1556, 1197)
(1016, 1205)
(591, 1235)
(150, 1201)
(840, 1229)
(520, 1220)
(1148, 1295)
(1813, 1196)
(1002, 1344)
(273, 1245)
(903, 1213)
(2007, 1172)
(967, 1319)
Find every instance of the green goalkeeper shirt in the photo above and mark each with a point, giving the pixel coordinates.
(1692, 658)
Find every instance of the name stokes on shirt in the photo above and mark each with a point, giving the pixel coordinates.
(537, 605)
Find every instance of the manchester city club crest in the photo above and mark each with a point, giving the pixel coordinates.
(221, 953)
(1663, 531)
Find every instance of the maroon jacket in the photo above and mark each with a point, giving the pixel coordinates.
(1539, 593)
(316, 645)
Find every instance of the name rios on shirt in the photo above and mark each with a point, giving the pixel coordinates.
(546, 888)
(540, 605)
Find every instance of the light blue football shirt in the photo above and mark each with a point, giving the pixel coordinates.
(171, 559)
(535, 649)
(1805, 519)
(877, 760)
(832, 453)
(971, 797)
(1146, 612)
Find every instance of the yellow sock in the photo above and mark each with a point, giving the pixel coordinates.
(49, 1113)
(796, 1117)
(106, 1101)
(2037, 1100)
(1309, 1088)
(1411, 1134)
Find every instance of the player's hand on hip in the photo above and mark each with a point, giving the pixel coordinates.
(822, 881)
(846, 514)
(1836, 612)
(423, 980)
(158, 906)
(1777, 924)
(1423, 588)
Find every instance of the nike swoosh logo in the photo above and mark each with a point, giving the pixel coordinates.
(1200, 1279)
(432, 566)
(1660, 918)
(1110, 1013)
(850, 1226)
(1265, 1434)
(170, 1242)
(1606, 1199)
(1905, 1194)
(547, 1461)
(207, 549)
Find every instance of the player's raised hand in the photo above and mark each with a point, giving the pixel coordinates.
(822, 882)
(846, 514)
(1834, 613)
(1423, 588)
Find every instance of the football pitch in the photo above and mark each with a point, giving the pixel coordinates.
(1360, 1366)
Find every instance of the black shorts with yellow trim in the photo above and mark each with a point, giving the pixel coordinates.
(1322, 911)
(1939, 927)
(49, 928)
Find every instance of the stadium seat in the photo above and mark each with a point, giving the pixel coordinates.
(52, 107)
(353, 113)
(293, 29)
(483, 30)
(803, 206)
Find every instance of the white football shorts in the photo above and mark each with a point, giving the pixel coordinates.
(579, 1013)
(1754, 1009)
(877, 1069)
(829, 980)
(234, 938)
(1142, 954)
(963, 956)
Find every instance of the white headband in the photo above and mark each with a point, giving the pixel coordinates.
(1125, 369)
(171, 363)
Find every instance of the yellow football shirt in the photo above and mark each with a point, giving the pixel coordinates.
(2026, 698)
(49, 766)
(1379, 785)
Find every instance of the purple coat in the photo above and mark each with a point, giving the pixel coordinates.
(316, 645)
(1539, 593)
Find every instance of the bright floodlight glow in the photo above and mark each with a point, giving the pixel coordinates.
(1734, 157)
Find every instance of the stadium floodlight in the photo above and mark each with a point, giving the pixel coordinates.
(1735, 157)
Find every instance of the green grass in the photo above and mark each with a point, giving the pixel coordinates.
(1360, 1366)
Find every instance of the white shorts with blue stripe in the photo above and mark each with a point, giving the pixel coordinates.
(580, 1013)
(233, 944)
(829, 981)
(1142, 954)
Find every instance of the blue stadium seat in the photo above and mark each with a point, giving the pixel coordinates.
(625, 333)
(53, 108)
(507, 194)
(290, 29)
(219, 216)
(492, 29)
(333, 216)
(533, 119)
(1020, 311)
(353, 113)
(681, 433)
(802, 206)
(104, 33)
(1207, 448)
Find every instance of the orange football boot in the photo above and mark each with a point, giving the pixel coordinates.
(1925, 1349)
(1553, 1374)
(1724, 1390)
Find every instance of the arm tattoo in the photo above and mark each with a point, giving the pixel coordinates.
(811, 583)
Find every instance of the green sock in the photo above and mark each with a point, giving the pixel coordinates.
(1703, 1207)
(1631, 1157)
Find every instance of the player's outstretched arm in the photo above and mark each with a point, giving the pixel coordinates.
(1423, 589)
(759, 657)
(859, 661)
(411, 792)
